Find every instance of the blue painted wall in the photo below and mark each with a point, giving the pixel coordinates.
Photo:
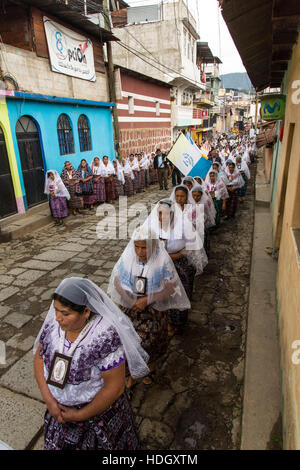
(45, 115)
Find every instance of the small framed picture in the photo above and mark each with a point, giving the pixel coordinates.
(140, 285)
(59, 370)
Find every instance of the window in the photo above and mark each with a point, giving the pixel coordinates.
(157, 108)
(130, 104)
(84, 134)
(65, 135)
(184, 41)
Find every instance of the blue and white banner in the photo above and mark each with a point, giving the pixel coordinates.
(188, 158)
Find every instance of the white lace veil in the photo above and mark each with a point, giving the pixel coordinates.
(189, 179)
(84, 292)
(164, 288)
(59, 188)
(182, 226)
(190, 199)
(209, 207)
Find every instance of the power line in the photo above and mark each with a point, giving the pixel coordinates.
(136, 52)
(198, 14)
(219, 29)
(126, 29)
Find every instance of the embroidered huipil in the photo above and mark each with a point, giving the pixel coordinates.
(99, 351)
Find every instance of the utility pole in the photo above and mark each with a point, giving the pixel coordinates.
(111, 75)
(256, 110)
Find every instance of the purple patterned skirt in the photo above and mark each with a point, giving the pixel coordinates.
(119, 189)
(99, 190)
(142, 179)
(232, 203)
(136, 180)
(152, 326)
(75, 202)
(89, 200)
(110, 188)
(153, 176)
(128, 186)
(58, 207)
(114, 429)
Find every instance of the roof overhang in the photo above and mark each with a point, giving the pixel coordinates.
(264, 32)
(72, 13)
(190, 28)
(188, 84)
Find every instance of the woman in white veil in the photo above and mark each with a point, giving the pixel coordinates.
(185, 248)
(58, 196)
(215, 186)
(79, 363)
(192, 228)
(235, 182)
(144, 282)
(189, 182)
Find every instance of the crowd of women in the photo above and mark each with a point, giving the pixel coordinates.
(101, 181)
(94, 347)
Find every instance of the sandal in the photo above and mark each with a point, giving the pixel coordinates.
(150, 379)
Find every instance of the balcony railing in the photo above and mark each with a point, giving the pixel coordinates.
(182, 115)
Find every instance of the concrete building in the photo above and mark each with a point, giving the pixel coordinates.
(274, 62)
(54, 97)
(206, 102)
(161, 40)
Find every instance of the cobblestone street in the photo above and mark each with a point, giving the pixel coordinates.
(196, 400)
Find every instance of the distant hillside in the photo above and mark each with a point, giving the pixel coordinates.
(237, 81)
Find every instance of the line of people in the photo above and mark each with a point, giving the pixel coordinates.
(101, 181)
(90, 341)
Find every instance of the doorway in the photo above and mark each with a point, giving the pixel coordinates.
(31, 160)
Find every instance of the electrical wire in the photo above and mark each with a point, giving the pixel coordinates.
(154, 58)
(136, 52)
(126, 29)
(137, 55)
(219, 29)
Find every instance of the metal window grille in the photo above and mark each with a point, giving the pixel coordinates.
(65, 135)
(84, 134)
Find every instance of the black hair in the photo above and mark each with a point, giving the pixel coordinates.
(67, 303)
(183, 188)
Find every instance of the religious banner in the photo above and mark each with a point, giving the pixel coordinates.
(69, 52)
(203, 165)
(188, 158)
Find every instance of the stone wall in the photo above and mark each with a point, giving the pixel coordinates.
(146, 140)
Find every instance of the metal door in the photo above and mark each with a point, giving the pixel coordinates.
(31, 160)
(8, 204)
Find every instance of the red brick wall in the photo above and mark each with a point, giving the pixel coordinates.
(146, 140)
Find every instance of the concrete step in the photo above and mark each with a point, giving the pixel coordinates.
(19, 225)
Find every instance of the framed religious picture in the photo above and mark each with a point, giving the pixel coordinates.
(59, 370)
(140, 285)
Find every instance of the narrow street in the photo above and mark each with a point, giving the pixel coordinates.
(196, 400)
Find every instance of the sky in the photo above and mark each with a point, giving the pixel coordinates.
(210, 23)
